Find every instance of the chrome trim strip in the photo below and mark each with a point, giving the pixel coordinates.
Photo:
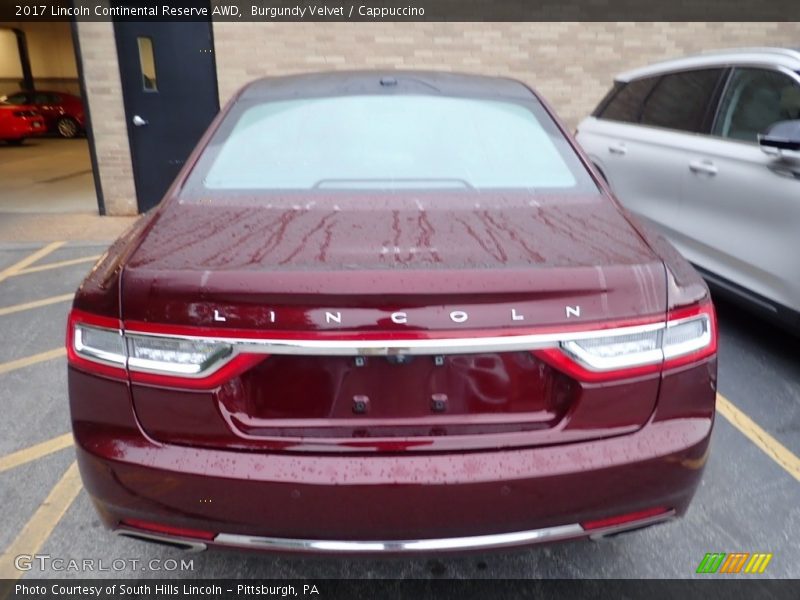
(413, 347)
(463, 345)
(567, 341)
(475, 542)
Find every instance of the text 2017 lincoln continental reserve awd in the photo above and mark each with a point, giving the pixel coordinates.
(389, 313)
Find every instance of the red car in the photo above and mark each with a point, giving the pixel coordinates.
(17, 124)
(63, 113)
(389, 314)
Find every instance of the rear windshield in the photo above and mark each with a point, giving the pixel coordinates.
(377, 142)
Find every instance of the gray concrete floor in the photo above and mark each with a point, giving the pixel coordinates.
(47, 175)
(746, 503)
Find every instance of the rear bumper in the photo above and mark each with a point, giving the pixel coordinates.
(397, 547)
(393, 504)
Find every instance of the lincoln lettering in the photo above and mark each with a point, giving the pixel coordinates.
(402, 318)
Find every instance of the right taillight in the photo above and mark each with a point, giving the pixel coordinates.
(688, 335)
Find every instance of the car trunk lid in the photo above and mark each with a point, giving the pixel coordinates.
(394, 268)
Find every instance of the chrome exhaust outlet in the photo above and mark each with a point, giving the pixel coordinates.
(610, 532)
(189, 546)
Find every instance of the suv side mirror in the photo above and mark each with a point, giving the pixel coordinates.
(781, 139)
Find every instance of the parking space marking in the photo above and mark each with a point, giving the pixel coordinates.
(35, 452)
(27, 361)
(29, 260)
(59, 264)
(768, 444)
(8, 310)
(42, 523)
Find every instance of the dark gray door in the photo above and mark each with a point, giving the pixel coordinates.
(169, 85)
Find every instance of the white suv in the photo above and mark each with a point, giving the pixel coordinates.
(707, 150)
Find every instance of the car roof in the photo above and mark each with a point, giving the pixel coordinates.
(338, 83)
(59, 92)
(783, 57)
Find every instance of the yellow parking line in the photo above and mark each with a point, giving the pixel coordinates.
(29, 260)
(7, 310)
(20, 363)
(42, 523)
(768, 444)
(59, 264)
(31, 453)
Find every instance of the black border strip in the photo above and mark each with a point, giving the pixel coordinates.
(409, 10)
(711, 587)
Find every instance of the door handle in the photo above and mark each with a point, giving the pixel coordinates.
(138, 121)
(618, 149)
(706, 167)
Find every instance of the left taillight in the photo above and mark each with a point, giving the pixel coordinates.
(99, 345)
(96, 344)
(174, 355)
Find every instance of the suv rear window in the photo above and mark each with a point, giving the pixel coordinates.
(389, 142)
(681, 100)
(626, 103)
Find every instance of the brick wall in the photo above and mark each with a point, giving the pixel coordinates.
(571, 64)
(104, 96)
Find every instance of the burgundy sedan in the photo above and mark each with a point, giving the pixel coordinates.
(389, 313)
(63, 113)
